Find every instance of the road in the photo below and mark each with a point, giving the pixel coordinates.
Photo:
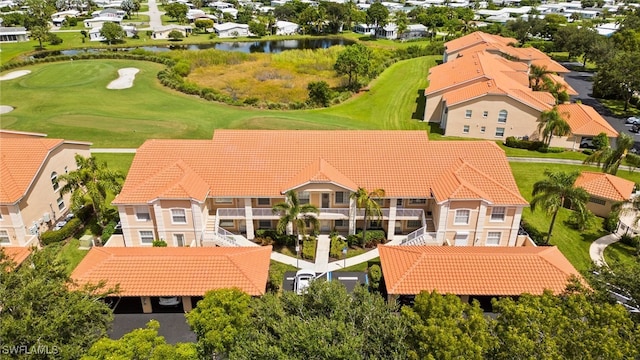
(155, 16)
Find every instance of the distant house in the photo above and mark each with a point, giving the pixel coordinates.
(58, 18)
(605, 190)
(163, 32)
(13, 34)
(231, 11)
(103, 16)
(286, 28)
(30, 199)
(229, 30)
(364, 29)
(389, 31)
(415, 31)
(94, 33)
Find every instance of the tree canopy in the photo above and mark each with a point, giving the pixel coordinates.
(354, 61)
(112, 32)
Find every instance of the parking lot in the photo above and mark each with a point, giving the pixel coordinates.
(349, 279)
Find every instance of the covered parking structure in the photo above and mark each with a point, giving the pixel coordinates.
(148, 273)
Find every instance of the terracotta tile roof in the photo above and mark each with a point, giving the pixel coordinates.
(492, 271)
(560, 80)
(584, 120)
(263, 163)
(605, 186)
(17, 253)
(476, 38)
(171, 271)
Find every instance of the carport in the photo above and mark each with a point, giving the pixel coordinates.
(153, 272)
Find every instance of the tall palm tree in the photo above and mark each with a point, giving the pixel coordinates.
(93, 180)
(610, 159)
(554, 191)
(367, 201)
(296, 214)
(537, 76)
(552, 123)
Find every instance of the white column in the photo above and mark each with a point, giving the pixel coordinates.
(198, 222)
(162, 232)
(248, 218)
(391, 224)
(124, 222)
(482, 215)
(515, 226)
(352, 216)
(18, 224)
(442, 222)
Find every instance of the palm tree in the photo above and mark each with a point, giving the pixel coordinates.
(552, 193)
(552, 123)
(296, 214)
(92, 180)
(537, 76)
(610, 159)
(367, 201)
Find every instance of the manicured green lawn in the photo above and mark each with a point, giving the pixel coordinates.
(362, 266)
(118, 162)
(70, 253)
(572, 155)
(617, 108)
(84, 109)
(619, 252)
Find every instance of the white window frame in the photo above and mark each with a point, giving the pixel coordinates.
(483, 129)
(175, 239)
(224, 200)
(268, 200)
(54, 181)
(227, 223)
(174, 215)
(60, 202)
(261, 224)
(466, 129)
(493, 238)
(459, 213)
(143, 236)
(344, 200)
(304, 197)
(500, 135)
(485, 114)
(461, 235)
(4, 237)
(468, 113)
(145, 210)
(502, 116)
(345, 223)
(503, 214)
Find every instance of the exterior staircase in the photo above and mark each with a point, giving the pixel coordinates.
(214, 235)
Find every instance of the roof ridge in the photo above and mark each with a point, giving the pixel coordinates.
(231, 257)
(552, 250)
(407, 249)
(465, 163)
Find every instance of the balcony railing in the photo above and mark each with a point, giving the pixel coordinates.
(223, 213)
(417, 214)
(325, 213)
(421, 237)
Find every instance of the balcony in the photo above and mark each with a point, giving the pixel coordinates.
(421, 237)
(325, 214)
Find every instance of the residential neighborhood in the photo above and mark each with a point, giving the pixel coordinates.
(301, 179)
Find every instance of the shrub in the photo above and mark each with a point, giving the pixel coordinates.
(374, 237)
(309, 248)
(353, 239)
(512, 142)
(534, 234)
(108, 231)
(159, 243)
(610, 224)
(54, 39)
(337, 244)
(55, 236)
(375, 275)
(278, 239)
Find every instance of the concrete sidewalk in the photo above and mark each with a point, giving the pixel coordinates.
(322, 253)
(289, 260)
(596, 250)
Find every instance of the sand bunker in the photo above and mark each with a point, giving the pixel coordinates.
(125, 81)
(5, 109)
(14, 74)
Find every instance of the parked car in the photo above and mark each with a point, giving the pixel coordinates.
(635, 129)
(633, 120)
(587, 143)
(169, 301)
(302, 280)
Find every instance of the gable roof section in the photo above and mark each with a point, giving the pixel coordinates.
(17, 254)
(476, 38)
(605, 186)
(491, 271)
(320, 171)
(170, 271)
(585, 120)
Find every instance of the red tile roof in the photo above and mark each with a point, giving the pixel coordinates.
(171, 271)
(605, 186)
(17, 254)
(476, 38)
(491, 271)
(584, 120)
(263, 163)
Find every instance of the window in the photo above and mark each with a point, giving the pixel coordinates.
(414, 223)
(497, 213)
(461, 239)
(264, 201)
(226, 223)
(465, 129)
(303, 197)
(597, 201)
(224, 201)
(142, 213)
(60, 203)
(264, 224)
(417, 201)
(341, 197)
(4, 237)
(483, 129)
(54, 181)
(462, 217)
(502, 116)
(485, 114)
(146, 237)
(379, 201)
(179, 239)
(178, 216)
(341, 223)
(468, 113)
(493, 238)
(499, 132)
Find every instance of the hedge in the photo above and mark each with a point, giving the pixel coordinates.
(55, 236)
(337, 244)
(309, 248)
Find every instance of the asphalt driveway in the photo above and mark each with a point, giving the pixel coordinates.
(173, 326)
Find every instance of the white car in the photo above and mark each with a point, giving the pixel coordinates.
(169, 301)
(302, 280)
(633, 120)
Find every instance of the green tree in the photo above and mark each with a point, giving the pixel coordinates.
(41, 309)
(537, 75)
(354, 61)
(402, 21)
(40, 33)
(610, 159)
(175, 35)
(219, 320)
(336, 15)
(141, 344)
(92, 180)
(319, 93)
(377, 14)
(552, 123)
(618, 77)
(128, 7)
(177, 11)
(620, 278)
(257, 28)
(570, 326)
(245, 15)
(443, 325)
(112, 32)
(204, 24)
(296, 214)
(555, 191)
(38, 14)
(369, 202)
(601, 141)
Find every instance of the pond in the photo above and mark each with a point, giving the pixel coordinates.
(265, 46)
